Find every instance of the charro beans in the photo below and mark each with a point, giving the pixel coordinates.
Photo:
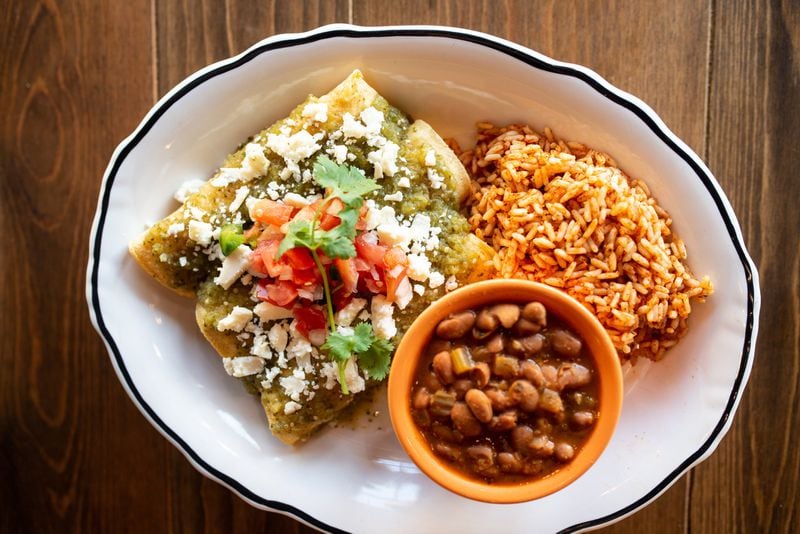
(505, 392)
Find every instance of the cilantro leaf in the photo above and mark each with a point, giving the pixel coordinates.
(338, 241)
(342, 346)
(373, 354)
(375, 360)
(337, 246)
(346, 182)
(348, 218)
(299, 234)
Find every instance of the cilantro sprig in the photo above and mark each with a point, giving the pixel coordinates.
(373, 353)
(349, 185)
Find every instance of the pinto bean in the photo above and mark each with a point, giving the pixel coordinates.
(486, 321)
(564, 451)
(480, 335)
(496, 344)
(515, 347)
(573, 375)
(524, 394)
(507, 314)
(509, 462)
(439, 345)
(480, 405)
(481, 374)
(532, 372)
(443, 367)
(456, 326)
(444, 432)
(532, 467)
(565, 343)
(431, 382)
(499, 399)
(482, 455)
(448, 451)
(535, 312)
(421, 399)
(532, 344)
(461, 386)
(498, 384)
(524, 327)
(550, 374)
(521, 437)
(541, 446)
(505, 421)
(464, 421)
(583, 418)
(550, 401)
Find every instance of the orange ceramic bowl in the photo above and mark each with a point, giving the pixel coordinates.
(572, 313)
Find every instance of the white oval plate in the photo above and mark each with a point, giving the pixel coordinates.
(675, 412)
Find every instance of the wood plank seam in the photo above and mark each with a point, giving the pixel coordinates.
(154, 47)
(712, 10)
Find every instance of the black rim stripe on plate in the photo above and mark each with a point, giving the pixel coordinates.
(482, 41)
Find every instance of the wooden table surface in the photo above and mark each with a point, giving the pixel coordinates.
(78, 76)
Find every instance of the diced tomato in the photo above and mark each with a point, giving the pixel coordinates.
(348, 273)
(271, 232)
(393, 277)
(306, 278)
(394, 257)
(360, 264)
(328, 221)
(341, 298)
(361, 223)
(264, 259)
(306, 213)
(369, 252)
(280, 293)
(309, 318)
(271, 212)
(257, 264)
(374, 286)
(299, 258)
(334, 206)
(257, 261)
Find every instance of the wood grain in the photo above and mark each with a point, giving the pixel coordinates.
(193, 34)
(78, 75)
(66, 101)
(750, 484)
